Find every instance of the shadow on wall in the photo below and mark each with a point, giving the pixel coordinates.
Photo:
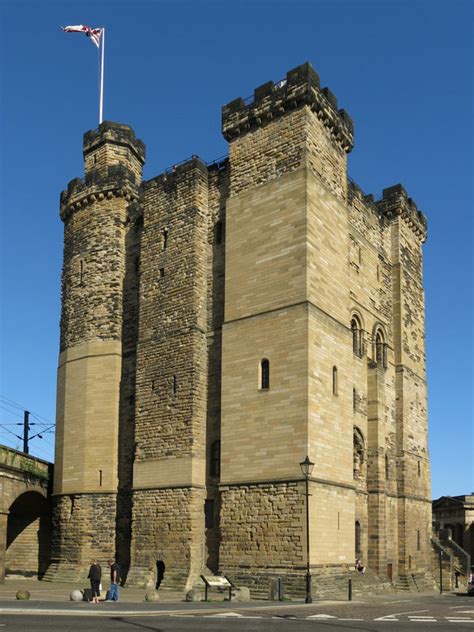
(29, 536)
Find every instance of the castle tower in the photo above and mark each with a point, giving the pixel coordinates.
(220, 323)
(285, 330)
(96, 215)
(169, 472)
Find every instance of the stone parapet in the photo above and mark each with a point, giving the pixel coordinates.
(395, 202)
(271, 101)
(117, 134)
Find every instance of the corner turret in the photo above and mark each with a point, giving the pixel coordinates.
(395, 202)
(113, 165)
(270, 101)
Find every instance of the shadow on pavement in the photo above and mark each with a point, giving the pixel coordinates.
(136, 624)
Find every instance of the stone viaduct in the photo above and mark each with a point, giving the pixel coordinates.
(25, 513)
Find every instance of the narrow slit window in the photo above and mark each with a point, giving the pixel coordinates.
(265, 374)
(419, 468)
(100, 478)
(354, 399)
(174, 385)
(418, 541)
(162, 273)
(334, 380)
(81, 272)
(216, 458)
(164, 239)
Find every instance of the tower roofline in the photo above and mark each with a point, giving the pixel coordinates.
(300, 87)
(395, 202)
(116, 133)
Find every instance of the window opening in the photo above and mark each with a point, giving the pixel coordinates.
(216, 458)
(265, 374)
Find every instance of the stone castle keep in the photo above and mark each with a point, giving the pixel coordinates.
(219, 323)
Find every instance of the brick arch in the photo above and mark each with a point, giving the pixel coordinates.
(25, 514)
(28, 537)
(16, 488)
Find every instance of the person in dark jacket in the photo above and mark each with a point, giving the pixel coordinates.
(114, 581)
(95, 574)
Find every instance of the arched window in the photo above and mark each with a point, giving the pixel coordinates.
(380, 351)
(357, 337)
(265, 374)
(359, 452)
(334, 380)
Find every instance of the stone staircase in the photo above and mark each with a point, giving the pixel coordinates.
(326, 585)
(64, 572)
(455, 560)
(416, 582)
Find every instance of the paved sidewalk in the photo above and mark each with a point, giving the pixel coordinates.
(60, 591)
(51, 598)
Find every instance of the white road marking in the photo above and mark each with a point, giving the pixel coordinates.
(389, 617)
(460, 618)
(321, 616)
(231, 614)
(425, 618)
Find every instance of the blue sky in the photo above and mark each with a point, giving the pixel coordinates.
(403, 71)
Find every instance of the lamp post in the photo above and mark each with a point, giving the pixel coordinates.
(307, 467)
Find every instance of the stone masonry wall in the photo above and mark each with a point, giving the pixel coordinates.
(83, 529)
(171, 376)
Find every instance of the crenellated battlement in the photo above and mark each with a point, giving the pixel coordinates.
(117, 134)
(395, 202)
(178, 171)
(270, 101)
(119, 182)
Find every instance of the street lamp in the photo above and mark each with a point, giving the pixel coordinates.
(307, 467)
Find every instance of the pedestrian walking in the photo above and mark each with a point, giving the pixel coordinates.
(95, 575)
(114, 581)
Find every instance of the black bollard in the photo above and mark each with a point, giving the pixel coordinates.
(349, 590)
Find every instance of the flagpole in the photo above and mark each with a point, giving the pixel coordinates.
(101, 95)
